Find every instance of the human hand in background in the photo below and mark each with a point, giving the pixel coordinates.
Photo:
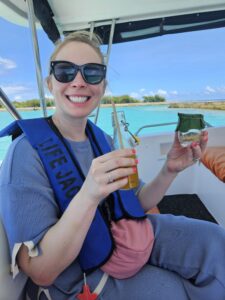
(179, 158)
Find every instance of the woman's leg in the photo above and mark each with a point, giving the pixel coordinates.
(194, 249)
(150, 283)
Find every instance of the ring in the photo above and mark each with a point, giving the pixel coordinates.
(195, 160)
(110, 180)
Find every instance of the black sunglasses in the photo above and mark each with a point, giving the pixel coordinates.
(65, 71)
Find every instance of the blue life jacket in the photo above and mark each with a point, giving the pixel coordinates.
(66, 179)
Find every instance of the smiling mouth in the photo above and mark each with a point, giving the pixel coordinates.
(79, 99)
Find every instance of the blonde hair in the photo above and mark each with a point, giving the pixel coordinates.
(83, 37)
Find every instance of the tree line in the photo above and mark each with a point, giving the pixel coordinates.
(129, 99)
(35, 103)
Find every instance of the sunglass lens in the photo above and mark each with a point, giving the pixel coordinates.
(94, 74)
(64, 72)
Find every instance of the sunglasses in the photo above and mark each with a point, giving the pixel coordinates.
(65, 71)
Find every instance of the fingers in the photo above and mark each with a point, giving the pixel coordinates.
(99, 187)
(204, 140)
(119, 173)
(119, 162)
(199, 147)
(176, 139)
(113, 186)
(113, 169)
(196, 151)
(110, 172)
(118, 159)
(117, 153)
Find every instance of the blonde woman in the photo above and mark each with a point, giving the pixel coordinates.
(65, 213)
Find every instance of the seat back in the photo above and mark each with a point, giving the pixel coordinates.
(11, 289)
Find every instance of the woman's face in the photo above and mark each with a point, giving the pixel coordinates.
(77, 98)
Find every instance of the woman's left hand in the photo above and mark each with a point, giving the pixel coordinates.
(179, 158)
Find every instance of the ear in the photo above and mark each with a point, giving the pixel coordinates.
(49, 83)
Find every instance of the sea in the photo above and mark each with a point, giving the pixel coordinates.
(136, 117)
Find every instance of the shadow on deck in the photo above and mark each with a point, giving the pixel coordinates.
(186, 205)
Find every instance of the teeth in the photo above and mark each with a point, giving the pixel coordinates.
(77, 99)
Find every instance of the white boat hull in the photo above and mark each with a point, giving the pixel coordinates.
(195, 180)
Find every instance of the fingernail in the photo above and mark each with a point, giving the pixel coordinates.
(134, 169)
(195, 144)
(136, 161)
(133, 151)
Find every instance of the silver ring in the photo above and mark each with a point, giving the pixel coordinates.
(110, 180)
(195, 160)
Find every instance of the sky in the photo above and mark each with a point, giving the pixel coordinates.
(179, 67)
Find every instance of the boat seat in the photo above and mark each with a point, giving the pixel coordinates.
(10, 289)
(214, 160)
(154, 210)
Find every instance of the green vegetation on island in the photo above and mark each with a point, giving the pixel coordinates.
(213, 105)
(128, 99)
(156, 98)
(35, 103)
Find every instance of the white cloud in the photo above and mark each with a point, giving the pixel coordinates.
(150, 93)
(135, 95)
(209, 90)
(174, 92)
(162, 92)
(6, 63)
(221, 89)
(140, 94)
(216, 91)
(17, 98)
(143, 92)
(15, 89)
(19, 92)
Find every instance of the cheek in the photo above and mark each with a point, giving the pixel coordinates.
(99, 90)
(57, 88)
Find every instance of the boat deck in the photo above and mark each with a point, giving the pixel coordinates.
(188, 205)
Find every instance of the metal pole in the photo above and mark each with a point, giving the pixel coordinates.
(92, 29)
(32, 26)
(110, 40)
(107, 57)
(9, 106)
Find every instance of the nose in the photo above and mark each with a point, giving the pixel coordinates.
(78, 81)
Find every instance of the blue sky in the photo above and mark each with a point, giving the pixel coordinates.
(180, 67)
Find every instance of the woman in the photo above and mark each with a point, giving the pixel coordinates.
(69, 215)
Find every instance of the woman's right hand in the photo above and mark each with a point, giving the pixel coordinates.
(109, 173)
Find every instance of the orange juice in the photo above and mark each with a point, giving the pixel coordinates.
(133, 180)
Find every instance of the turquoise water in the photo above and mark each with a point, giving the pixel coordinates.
(136, 116)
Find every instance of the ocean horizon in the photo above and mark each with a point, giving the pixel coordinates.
(136, 116)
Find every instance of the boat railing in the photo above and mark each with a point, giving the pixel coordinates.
(8, 105)
(162, 124)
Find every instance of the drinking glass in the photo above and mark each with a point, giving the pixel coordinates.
(189, 128)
